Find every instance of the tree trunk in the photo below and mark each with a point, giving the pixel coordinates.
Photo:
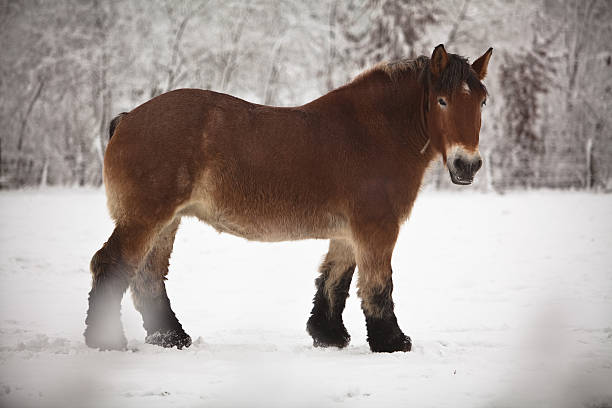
(268, 94)
(26, 116)
(589, 179)
(232, 56)
(44, 173)
(331, 55)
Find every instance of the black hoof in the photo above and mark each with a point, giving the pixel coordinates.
(169, 339)
(384, 335)
(327, 333)
(105, 339)
(401, 343)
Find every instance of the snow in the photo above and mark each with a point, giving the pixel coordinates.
(508, 300)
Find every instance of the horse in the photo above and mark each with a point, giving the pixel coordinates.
(345, 167)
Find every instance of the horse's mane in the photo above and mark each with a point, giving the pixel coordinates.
(396, 69)
(456, 73)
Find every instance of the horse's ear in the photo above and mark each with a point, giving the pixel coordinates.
(481, 64)
(439, 60)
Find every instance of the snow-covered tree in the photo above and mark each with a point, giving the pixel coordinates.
(526, 78)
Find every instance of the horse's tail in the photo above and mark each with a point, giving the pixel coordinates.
(114, 123)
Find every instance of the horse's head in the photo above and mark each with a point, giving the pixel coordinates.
(456, 96)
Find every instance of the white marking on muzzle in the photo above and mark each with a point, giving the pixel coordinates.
(459, 152)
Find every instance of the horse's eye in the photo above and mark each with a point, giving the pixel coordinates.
(484, 102)
(442, 102)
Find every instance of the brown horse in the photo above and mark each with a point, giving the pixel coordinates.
(346, 167)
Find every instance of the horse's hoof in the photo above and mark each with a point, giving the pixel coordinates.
(338, 342)
(326, 333)
(105, 339)
(399, 343)
(169, 339)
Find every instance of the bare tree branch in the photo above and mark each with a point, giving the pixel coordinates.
(453, 32)
(26, 116)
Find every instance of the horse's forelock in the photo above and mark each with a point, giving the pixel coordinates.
(457, 72)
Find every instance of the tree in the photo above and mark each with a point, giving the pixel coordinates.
(381, 30)
(585, 85)
(526, 78)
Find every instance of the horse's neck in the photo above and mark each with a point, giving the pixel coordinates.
(401, 104)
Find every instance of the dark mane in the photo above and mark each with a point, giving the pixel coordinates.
(457, 71)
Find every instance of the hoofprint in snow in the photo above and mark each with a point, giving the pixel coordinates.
(508, 300)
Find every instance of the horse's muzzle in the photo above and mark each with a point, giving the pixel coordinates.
(462, 170)
(460, 181)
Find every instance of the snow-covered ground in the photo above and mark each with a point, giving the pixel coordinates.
(508, 300)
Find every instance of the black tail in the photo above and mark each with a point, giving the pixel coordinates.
(114, 123)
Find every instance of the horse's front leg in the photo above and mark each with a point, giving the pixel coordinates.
(374, 245)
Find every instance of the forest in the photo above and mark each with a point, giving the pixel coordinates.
(69, 66)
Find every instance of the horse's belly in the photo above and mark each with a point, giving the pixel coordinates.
(272, 227)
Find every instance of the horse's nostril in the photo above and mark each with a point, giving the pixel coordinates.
(478, 164)
(458, 164)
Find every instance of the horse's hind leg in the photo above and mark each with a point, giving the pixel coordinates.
(149, 294)
(112, 268)
(325, 323)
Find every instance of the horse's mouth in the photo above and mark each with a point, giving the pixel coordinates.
(460, 181)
